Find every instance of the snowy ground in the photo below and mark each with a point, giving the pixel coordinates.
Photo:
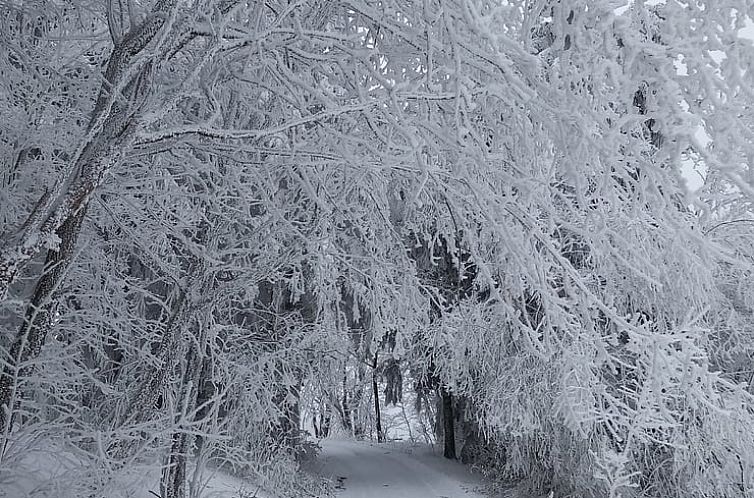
(46, 471)
(358, 470)
(369, 470)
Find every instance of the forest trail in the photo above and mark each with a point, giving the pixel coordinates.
(370, 470)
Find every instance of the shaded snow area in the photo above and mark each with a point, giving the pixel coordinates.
(49, 472)
(369, 470)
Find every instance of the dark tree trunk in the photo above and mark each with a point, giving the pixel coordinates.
(173, 483)
(103, 150)
(376, 389)
(449, 435)
(37, 320)
(174, 476)
(145, 397)
(345, 411)
(324, 424)
(290, 418)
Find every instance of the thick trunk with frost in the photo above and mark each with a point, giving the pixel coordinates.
(56, 220)
(37, 320)
(108, 136)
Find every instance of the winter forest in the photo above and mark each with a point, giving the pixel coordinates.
(520, 232)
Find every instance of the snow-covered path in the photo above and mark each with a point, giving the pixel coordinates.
(368, 470)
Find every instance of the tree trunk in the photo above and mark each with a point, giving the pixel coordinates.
(62, 211)
(37, 320)
(375, 388)
(173, 483)
(144, 400)
(289, 422)
(449, 436)
(108, 136)
(345, 411)
(324, 423)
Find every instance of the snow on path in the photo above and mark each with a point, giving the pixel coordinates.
(368, 470)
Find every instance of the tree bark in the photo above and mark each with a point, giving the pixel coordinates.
(290, 419)
(376, 390)
(345, 411)
(173, 483)
(144, 400)
(37, 320)
(62, 213)
(108, 134)
(448, 423)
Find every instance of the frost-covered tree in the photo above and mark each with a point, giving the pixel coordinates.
(204, 204)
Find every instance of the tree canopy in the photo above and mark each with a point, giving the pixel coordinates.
(209, 208)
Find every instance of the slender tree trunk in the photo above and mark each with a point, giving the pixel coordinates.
(173, 483)
(315, 424)
(449, 436)
(357, 396)
(375, 388)
(142, 405)
(37, 320)
(290, 418)
(346, 412)
(408, 423)
(324, 422)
